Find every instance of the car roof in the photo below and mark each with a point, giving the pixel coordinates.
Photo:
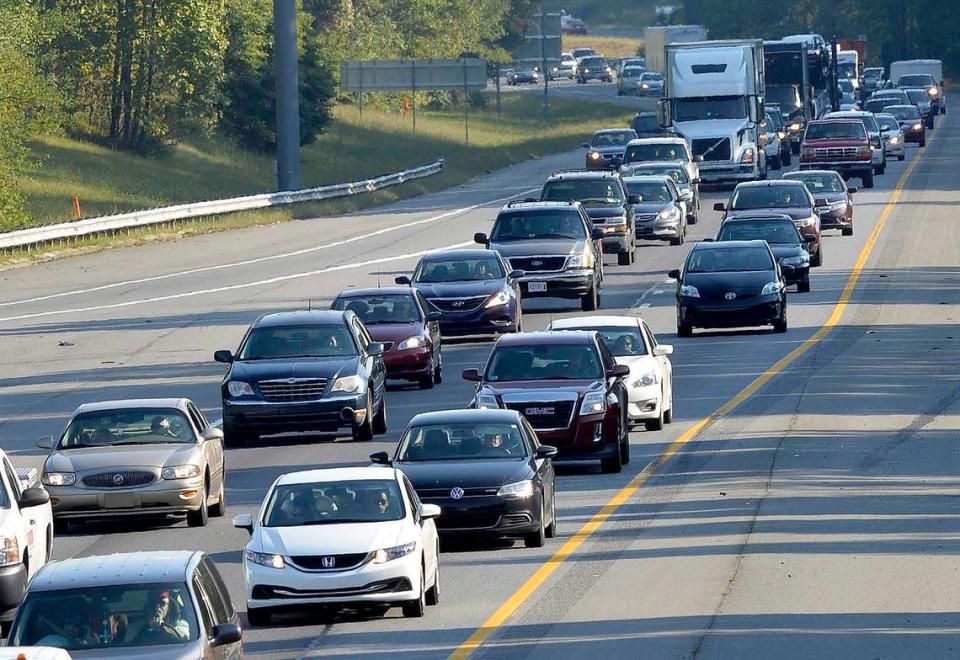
(657, 164)
(901, 106)
(595, 320)
(461, 415)
(541, 338)
(128, 404)
(770, 183)
(538, 204)
(133, 568)
(837, 118)
(301, 317)
(758, 215)
(793, 176)
(376, 291)
(651, 178)
(657, 140)
(463, 253)
(324, 475)
(604, 131)
(729, 245)
(584, 175)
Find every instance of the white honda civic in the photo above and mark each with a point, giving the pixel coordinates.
(650, 383)
(338, 536)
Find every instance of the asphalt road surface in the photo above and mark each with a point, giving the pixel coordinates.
(593, 90)
(816, 519)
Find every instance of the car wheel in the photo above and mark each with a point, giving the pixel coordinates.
(438, 370)
(684, 330)
(624, 258)
(427, 382)
(235, 437)
(591, 301)
(930, 122)
(259, 616)
(803, 286)
(380, 419)
(867, 179)
(538, 538)
(847, 231)
(364, 432)
(786, 158)
(655, 424)
(612, 465)
(781, 324)
(61, 526)
(668, 413)
(201, 516)
(220, 508)
(625, 443)
(817, 259)
(923, 143)
(433, 593)
(415, 609)
(551, 529)
(676, 240)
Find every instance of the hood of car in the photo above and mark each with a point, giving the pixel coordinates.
(538, 390)
(795, 212)
(257, 370)
(717, 285)
(834, 142)
(395, 332)
(99, 458)
(784, 250)
(466, 474)
(186, 651)
(461, 289)
(534, 247)
(645, 208)
(829, 197)
(331, 539)
(711, 128)
(610, 149)
(603, 212)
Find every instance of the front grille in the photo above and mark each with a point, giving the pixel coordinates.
(544, 415)
(832, 153)
(270, 592)
(645, 217)
(712, 148)
(469, 520)
(444, 493)
(340, 562)
(119, 479)
(537, 264)
(458, 304)
(302, 389)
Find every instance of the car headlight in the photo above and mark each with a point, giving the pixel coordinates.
(667, 214)
(746, 158)
(895, 139)
(58, 478)
(265, 559)
(770, 287)
(486, 401)
(644, 86)
(800, 260)
(9, 550)
(917, 126)
(499, 299)
(837, 206)
(933, 92)
(593, 402)
(519, 490)
(397, 551)
(645, 379)
(239, 388)
(807, 222)
(689, 291)
(594, 155)
(584, 260)
(410, 342)
(347, 384)
(586, 70)
(781, 135)
(795, 126)
(180, 472)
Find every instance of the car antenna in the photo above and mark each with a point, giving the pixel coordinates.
(378, 277)
(309, 305)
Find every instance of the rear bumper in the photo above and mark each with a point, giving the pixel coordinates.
(567, 284)
(727, 173)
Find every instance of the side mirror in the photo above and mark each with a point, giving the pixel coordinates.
(376, 348)
(663, 350)
(809, 239)
(223, 356)
(45, 442)
(698, 159)
(481, 238)
(433, 316)
(33, 497)
(596, 234)
(720, 206)
(852, 189)
(211, 433)
(472, 375)
(674, 274)
(380, 458)
(634, 199)
(225, 633)
(402, 280)
(546, 451)
(619, 371)
(243, 521)
(516, 274)
(430, 511)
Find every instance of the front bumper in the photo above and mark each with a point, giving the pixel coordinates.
(795, 274)
(574, 283)
(487, 514)
(727, 172)
(914, 136)
(409, 364)
(835, 219)
(480, 321)
(615, 243)
(13, 584)
(760, 310)
(897, 149)
(851, 168)
(645, 402)
(658, 229)
(163, 497)
(263, 417)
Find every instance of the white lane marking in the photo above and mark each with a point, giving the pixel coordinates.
(285, 255)
(232, 287)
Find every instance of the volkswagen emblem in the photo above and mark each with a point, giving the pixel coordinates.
(457, 303)
(328, 562)
(456, 493)
(118, 479)
(730, 296)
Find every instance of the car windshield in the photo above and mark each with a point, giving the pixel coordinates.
(462, 442)
(292, 341)
(676, 172)
(904, 111)
(835, 131)
(847, 70)
(729, 260)
(649, 191)
(595, 62)
(786, 96)
(846, 86)
(586, 191)
(538, 225)
(650, 76)
(623, 341)
(709, 107)
(544, 362)
(646, 123)
(612, 139)
(656, 151)
(378, 310)
(888, 122)
(779, 232)
(880, 105)
(127, 426)
(918, 96)
(827, 182)
(459, 269)
(631, 72)
(105, 617)
(872, 74)
(776, 120)
(916, 80)
(334, 503)
(769, 197)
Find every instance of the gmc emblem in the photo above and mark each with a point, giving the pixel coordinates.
(539, 411)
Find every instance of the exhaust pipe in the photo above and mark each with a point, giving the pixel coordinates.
(348, 414)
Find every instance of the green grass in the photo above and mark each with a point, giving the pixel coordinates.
(613, 47)
(353, 147)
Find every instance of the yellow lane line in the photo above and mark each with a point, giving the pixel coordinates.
(528, 588)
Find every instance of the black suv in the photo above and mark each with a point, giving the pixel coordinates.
(555, 245)
(304, 371)
(607, 201)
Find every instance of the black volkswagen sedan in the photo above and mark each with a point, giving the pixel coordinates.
(778, 230)
(730, 284)
(475, 291)
(301, 371)
(485, 469)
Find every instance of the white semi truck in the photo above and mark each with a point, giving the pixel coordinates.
(713, 97)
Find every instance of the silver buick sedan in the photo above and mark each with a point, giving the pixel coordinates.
(135, 458)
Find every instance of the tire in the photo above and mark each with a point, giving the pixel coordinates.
(803, 286)
(867, 179)
(591, 301)
(259, 616)
(817, 259)
(201, 516)
(786, 158)
(538, 538)
(901, 157)
(415, 609)
(438, 369)
(551, 529)
(777, 163)
(612, 465)
(380, 418)
(781, 325)
(847, 231)
(930, 121)
(668, 414)
(625, 444)
(219, 509)
(923, 142)
(655, 424)
(61, 526)
(364, 432)
(794, 147)
(684, 330)
(433, 593)
(692, 219)
(624, 258)
(676, 240)
(427, 382)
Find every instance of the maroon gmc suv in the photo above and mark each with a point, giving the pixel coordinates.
(568, 386)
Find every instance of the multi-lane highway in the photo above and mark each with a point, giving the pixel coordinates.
(814, 518)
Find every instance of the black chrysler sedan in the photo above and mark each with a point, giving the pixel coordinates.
(486, 470)
(730, 284)
(475, 291)
(784, 239)
(304, 371)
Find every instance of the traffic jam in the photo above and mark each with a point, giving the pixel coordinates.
(732, 115)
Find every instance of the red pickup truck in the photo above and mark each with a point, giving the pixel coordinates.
(838, 144)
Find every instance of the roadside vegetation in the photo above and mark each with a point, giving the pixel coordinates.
(614, 47)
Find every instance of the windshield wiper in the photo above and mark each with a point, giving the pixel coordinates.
(602, 200)
(556, 236)
(332, 521)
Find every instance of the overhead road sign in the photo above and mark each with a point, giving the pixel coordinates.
(412, 75)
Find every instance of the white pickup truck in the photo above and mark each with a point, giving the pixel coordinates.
(26, 533)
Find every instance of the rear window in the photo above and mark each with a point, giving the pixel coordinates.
(916, 80)
(586, 191)
(639, 153)
(836, 131)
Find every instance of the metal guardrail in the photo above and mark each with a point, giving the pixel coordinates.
(23, 238)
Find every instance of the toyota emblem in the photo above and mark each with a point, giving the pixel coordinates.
(328, 562)
(730, 296)
(118, 479)
(456, 493)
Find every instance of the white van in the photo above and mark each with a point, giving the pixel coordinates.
(934, 68)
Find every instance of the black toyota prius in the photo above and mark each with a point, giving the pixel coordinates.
(485, 469)
(730, 284)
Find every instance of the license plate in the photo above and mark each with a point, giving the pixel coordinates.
(120, 500)
(536, 287)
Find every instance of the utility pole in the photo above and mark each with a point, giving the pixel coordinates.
(543, 65)
(832, 77)
(287, 93)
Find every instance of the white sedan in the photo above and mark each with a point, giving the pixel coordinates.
(337, 536)
(650, 383)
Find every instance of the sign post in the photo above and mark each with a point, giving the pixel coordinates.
(543, 49)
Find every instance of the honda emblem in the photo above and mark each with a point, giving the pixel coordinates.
(328, 562)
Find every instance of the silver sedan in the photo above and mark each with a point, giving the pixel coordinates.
(136, 458)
